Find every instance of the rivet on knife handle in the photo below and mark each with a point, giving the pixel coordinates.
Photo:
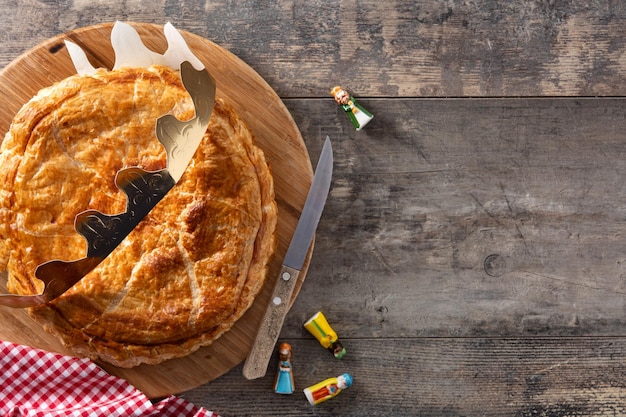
(272, 322)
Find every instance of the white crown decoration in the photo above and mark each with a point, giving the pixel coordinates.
(130, 51)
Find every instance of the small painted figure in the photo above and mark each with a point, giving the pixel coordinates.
(327, 389)
(357, 113)
(318, 326)
(283, 384)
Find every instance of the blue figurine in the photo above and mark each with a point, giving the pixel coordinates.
(283, 384)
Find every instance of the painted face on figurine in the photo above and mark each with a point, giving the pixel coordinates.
(338, 350)
(285, 351)
(344, 381)
(342, 97)
(359, 117)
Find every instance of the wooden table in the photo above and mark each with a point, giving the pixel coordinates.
(472, 255)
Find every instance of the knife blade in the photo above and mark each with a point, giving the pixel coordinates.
(274, 317)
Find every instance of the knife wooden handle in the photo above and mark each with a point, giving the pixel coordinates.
(263, 346)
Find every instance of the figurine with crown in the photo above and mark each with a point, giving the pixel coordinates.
(357, 114)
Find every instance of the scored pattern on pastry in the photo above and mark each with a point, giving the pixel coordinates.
(189, 270)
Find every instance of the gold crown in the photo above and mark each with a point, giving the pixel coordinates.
(335, 90)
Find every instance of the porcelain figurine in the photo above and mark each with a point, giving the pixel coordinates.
(283, 384)
(327, 389)
(318, 326)
(356, 113)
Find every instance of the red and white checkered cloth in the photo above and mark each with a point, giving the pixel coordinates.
(36, 383)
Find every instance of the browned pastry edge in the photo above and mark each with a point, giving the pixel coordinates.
(125, 353)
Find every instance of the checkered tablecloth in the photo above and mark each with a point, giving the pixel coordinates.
(37, 383)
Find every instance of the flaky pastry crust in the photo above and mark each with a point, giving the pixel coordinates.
(189, 270)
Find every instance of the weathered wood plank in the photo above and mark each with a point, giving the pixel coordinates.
(440, 377)
(390, 48)
(425, 196)
(430, 190)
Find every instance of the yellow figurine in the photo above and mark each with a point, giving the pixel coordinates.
(318, 326)
(357, 114)
(327, 389)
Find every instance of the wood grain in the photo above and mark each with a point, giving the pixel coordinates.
(452, 377)
(437, 183)
(432, 188)
(392, 48)
(431, 328)
(275, 133)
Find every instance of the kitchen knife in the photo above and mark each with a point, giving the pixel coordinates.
(143, 189)
(263, 346)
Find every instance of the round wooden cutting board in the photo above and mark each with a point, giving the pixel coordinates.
(275, 133)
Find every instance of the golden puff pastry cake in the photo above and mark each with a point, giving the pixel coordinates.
(189, 270)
